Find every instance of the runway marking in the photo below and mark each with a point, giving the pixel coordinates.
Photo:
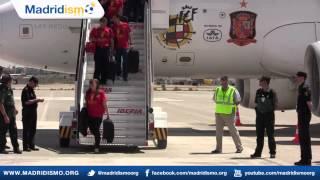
(52, 98)
(46, 107)
(167, 100)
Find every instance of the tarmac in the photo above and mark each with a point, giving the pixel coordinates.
(191, 135)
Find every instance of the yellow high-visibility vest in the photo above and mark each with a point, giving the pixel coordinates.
(225, 100)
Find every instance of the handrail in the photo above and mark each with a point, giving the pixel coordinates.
(80, 63)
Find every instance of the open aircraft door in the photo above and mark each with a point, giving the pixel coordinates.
(160, 14)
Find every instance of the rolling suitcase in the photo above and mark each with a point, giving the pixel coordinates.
(112, 67)
(133, 61)
(108, 130)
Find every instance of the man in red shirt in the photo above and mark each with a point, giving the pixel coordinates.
(103, 39)
(123, 42)
(115, 8)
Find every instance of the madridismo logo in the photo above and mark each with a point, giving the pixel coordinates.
(58, 9)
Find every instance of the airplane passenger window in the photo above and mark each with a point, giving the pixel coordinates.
(25, 30)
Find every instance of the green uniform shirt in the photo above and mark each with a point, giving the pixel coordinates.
(6, 98)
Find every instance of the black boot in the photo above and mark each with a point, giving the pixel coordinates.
(17, 151)
(303, 163)
(3, 151)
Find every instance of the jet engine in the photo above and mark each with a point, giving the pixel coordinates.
(285, 89)
(312, 64)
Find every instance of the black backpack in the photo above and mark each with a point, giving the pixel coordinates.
(83, 121)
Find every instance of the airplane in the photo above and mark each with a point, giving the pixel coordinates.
(243, 39)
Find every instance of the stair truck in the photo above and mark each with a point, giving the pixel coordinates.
(136, 121)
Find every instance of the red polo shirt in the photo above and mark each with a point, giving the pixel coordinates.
(122, 34)
(115, 7)
(102, 36)
(95, 104)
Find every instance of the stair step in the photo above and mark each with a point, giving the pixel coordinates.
(127, 104)
(126, 118)
(121, 90)
(133, 125)
(127, 98)
(138, 41)
(118, 140)
(122, 83)
(138, 36)
(127, 111)
(131, 90)
(124, 89)
(129, 83)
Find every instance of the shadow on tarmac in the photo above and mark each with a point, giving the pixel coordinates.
(277, 125)
(246, 158)
(316, 162)
(313, 143)
(49, 139)
(207, 153)
(283, 132)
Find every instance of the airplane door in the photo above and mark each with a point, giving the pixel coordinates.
(160, 14)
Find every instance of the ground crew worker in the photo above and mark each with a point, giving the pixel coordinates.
(103, 39)
(266, 102)
(227, 98)
(304, 107)
(29, 114)
(8, 114)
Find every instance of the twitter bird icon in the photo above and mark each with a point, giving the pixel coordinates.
(91, 173)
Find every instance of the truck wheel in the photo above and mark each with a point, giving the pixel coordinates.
(161, 137)
(162, 144)
(64, 143)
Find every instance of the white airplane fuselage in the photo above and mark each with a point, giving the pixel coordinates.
(268, 37)
(241, 40)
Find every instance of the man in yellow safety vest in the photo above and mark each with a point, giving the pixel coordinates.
(227, 98)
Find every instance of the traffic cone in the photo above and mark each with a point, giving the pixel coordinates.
(238, 122)
(296, 136)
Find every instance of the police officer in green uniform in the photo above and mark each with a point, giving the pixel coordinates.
(8, 114)
(1, 72)
(304, 107)
(266, 102)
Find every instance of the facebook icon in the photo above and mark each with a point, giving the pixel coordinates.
(147, 172)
